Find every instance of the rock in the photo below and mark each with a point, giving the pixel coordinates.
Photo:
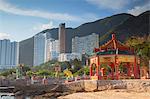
(90, 85)
(77, 86)
(119, 86)
(19, 93)
(148, 89)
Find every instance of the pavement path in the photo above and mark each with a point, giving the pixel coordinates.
(109, 94)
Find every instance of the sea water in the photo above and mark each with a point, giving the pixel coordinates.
(11, 96)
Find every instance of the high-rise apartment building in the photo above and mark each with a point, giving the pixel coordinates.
(9, 54)
(26, 51)
(52, 49)
(85, 44)
(40, 43)
(62, 38)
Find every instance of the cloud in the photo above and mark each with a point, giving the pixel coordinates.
(139, 9)
(61, 17)
(41, 26)
(109, 4)
(9, 8)
(4, 36)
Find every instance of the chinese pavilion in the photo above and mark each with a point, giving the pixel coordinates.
(114, 60)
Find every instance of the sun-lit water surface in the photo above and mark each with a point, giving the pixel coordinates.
(10, 96)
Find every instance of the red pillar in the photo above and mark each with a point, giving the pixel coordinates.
(112, 72)
(116, 68)
(129, 69)
(138, 71)
(117, 73)
(138, 68)
(135, 68)
(91, 73)
(100, 74)
(97, 70)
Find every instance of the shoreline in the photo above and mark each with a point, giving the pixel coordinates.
(84, 87)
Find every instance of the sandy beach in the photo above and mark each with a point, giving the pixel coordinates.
(109, 94)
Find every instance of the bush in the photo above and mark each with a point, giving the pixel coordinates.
(43, 73)
(8, 72)
(79, 72)
(87, 70)
(29, 73)
(82, 71)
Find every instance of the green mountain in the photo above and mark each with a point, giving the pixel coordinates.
(124, 25)
(135, 26)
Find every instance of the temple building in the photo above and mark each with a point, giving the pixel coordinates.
(114, 60)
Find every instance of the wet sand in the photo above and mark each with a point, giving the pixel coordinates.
(109, 94)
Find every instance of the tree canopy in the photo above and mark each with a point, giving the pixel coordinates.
(142, 48)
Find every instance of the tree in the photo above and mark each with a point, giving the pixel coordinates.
(142, 48)
(26, 68)
(68, 65)
(77, 65)
(84, 70)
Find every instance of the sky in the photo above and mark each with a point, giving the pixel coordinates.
(21, 19)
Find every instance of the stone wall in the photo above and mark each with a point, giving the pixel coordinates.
(136, 85)
(110, 84)
(76, 86)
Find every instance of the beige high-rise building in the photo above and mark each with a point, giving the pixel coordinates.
(52, 49)
(62, 38)
(85, 44)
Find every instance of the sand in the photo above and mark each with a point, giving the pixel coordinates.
(109, 94)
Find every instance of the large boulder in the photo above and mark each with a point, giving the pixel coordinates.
(90, 85)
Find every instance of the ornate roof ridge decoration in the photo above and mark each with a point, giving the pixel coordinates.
(113, 44)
